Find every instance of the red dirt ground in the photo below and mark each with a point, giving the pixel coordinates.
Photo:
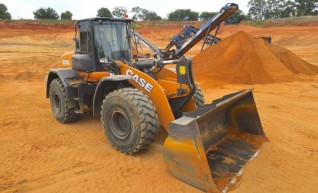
(38, 154)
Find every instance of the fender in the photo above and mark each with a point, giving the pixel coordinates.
(64, 75)
(107, 84)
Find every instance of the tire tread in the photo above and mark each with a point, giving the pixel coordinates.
(69, 115)
(145, 108)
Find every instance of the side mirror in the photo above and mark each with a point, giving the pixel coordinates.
(76, 40)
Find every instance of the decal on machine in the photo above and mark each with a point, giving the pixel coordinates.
(66, 62)
(142, 82)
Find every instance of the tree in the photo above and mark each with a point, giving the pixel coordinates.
(119, 11)
(183, 15)
(257, 9)
(144, 14)
(287, 8)
(306, 7)
(104, 12)
(4, 14)
(151, 15)
(273, 9)
(66, 15)
(45, 13)
(207, 15)
(138, 13)
(236, 18)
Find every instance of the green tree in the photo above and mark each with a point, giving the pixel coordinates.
(287, 8)
(119, 11)
(45, 13)
(306, 7)
(257, 9)
(236, 18)
(66, 15)
(183, 15)
(151, 15)
(137, 13)
(104, 12)
(273, 9)
(4, 14)
(143, 14)
(207, 15)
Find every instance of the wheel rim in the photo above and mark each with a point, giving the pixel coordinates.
(57, 103)
(119, 123)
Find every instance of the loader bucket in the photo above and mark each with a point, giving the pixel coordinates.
(208, 148)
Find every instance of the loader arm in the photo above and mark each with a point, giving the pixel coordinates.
(170, 92)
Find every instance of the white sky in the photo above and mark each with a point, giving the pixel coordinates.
(88, 8)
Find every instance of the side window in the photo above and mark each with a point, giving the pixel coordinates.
(85, 39)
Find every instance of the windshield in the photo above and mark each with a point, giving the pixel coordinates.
(112, 41)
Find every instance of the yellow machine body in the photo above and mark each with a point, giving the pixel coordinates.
(207, 147)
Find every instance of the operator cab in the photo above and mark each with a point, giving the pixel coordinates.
(101, 41)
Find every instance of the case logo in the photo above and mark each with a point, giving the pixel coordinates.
(66, 62)
(142, 82)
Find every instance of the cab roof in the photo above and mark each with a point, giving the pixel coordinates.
(105, 19)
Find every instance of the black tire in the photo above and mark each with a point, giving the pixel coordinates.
(129, 119)
(59, 104)
(198, 97)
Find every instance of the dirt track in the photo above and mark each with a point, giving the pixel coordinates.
(38, 154)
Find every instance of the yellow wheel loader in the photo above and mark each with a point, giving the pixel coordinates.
(207, 146)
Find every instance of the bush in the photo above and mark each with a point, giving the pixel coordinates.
(45, 13)
(4, 14)
(66, 15)
(104, 12)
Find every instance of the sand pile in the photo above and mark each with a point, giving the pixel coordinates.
(243, 59)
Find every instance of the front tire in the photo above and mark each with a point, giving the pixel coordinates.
(59, 104)
(129, 119)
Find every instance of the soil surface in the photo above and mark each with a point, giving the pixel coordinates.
(39, 154)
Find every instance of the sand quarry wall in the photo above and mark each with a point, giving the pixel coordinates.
(242, 59)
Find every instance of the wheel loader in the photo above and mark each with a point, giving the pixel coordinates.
(208, 145)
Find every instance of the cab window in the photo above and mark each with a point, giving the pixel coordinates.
(85, 38)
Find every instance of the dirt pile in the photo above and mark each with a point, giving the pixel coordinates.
(243, 59)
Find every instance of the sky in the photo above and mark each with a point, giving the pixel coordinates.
(88, 8)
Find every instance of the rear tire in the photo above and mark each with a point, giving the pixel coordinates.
(129, 119)
(59, 104)
(198, 97)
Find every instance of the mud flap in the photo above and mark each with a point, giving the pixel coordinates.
(209, 147)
